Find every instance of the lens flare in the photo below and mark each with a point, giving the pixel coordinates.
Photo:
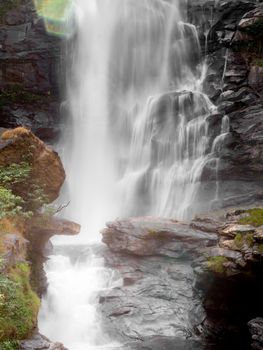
(56, 14)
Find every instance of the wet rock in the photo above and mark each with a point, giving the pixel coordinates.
(39, 342)
(159, 302)
(148, 236)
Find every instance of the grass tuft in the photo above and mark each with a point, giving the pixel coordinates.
(254, 218)
(216, 264)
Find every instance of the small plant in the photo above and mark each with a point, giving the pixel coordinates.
(10, 205)
(254, 217)
(14, 174)
(216, 264)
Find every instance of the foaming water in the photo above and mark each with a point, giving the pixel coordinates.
(137, 144)
(68, 313)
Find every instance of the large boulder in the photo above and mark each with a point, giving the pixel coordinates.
(21, 146)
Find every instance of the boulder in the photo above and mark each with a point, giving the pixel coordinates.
(46, 170)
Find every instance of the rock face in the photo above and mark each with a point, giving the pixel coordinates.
(45, 164)
(231, 34)
(183, 281)
(29, 69)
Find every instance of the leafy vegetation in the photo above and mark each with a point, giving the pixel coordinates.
(11, 205)
(14, 174)
(216, 264)
(254, 217)
(18, 305)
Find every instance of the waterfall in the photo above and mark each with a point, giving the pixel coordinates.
(137, 144)
(140, 136)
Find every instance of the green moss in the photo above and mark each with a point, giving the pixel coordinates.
(216, 264)
(242, 239)
(158, 234)
(255, 217)
(7, 5)
(18, 305)
(16, 94)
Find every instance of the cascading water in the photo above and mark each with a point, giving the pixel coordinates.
(140, 143)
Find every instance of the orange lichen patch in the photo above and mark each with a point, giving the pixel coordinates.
(12, 133)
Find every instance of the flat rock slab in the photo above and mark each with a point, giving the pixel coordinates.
(145, 236)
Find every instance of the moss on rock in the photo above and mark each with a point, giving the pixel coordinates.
(254, 217)
(18, 304)
(216, 264)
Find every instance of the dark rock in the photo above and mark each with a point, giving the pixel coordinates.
(256, 331)
(30, 61)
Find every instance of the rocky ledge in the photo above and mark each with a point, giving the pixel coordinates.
(185, 281)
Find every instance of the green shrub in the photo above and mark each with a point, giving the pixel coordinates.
(18, 304)
(255, 217)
